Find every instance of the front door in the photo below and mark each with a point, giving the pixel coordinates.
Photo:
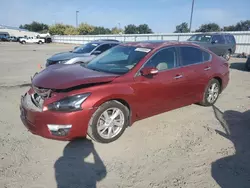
(163, 91)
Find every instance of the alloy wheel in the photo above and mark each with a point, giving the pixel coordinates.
(213, 93)
(110, 123)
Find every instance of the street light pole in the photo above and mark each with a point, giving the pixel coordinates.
(77, 18)
(191, 17)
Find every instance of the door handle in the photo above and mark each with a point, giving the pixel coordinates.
(207, 68)
(178, 77)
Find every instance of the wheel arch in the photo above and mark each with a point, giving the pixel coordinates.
(220, 82)
(121, 99)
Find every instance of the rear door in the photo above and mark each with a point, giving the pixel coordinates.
(196, 67)
(219, 45)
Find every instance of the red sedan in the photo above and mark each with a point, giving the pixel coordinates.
(127, 83)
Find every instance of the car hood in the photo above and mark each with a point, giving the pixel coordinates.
(67, 55)
(67, 76)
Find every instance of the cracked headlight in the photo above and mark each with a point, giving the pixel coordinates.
(69, 104)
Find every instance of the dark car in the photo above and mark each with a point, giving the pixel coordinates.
(82, 54)
(222, 44)
(129, 82)
(248, 63)
(12, 39)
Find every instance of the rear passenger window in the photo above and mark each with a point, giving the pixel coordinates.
(219, 38)
(191, 55)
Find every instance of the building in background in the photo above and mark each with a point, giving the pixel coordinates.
(16, 32)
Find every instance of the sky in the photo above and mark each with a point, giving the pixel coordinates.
(162, 16)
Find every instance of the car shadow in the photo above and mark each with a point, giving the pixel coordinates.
(72, 169)
(234, 171)
(239, 66)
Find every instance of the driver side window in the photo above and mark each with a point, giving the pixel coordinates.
(103, 47)
(164, 59)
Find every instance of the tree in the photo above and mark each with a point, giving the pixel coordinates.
(70, 30)
(144, 29)
(116, 30)
(85, 29)
(131, 29)
(182, 28)
(211, 27)
(229, 28)
(35, 26)
(243, 26)
(57, 29)
(100, 30)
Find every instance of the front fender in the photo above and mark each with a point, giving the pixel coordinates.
(125, 93)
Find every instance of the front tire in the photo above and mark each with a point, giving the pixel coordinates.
(211, 93)
(23, 42)
(40, 42)
(108, 122)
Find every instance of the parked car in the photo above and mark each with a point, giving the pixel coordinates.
(4, 38)
(222, 44)
(129, 82)
(248, 63)
(31, 40)
(12, 39)
(82, 54)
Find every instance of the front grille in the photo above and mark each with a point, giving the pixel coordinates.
(37, 100)
(29, 103)
(42, 92)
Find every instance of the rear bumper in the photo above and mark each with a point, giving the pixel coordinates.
(37, 121)
(225, 80)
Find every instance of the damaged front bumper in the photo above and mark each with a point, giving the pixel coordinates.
(53, 125)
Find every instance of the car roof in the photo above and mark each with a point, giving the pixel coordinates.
(207, 33)
(105, 42)
(157, 44)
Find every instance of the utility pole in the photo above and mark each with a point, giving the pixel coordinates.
(191, 17)
(77, 18)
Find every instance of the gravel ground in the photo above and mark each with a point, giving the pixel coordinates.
(189, 147)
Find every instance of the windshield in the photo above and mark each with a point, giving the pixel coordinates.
(86, 48)
(118, 60)
(201, 38)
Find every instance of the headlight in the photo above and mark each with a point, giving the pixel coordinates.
(68, 104)
(63, 61)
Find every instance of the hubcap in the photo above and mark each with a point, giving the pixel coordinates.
(110, 123)
(213, 92)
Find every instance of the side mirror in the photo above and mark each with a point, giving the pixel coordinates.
(149, 71)
(76, 47)
(96, 52)
(214, 42)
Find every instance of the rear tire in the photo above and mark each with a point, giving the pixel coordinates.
(40, 42)
(211, 93)
(247, 66)
(227, 55)
(99, 125)
(23, 42)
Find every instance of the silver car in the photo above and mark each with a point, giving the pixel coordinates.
(82, 54)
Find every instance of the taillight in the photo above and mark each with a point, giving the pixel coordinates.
(226, 64)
